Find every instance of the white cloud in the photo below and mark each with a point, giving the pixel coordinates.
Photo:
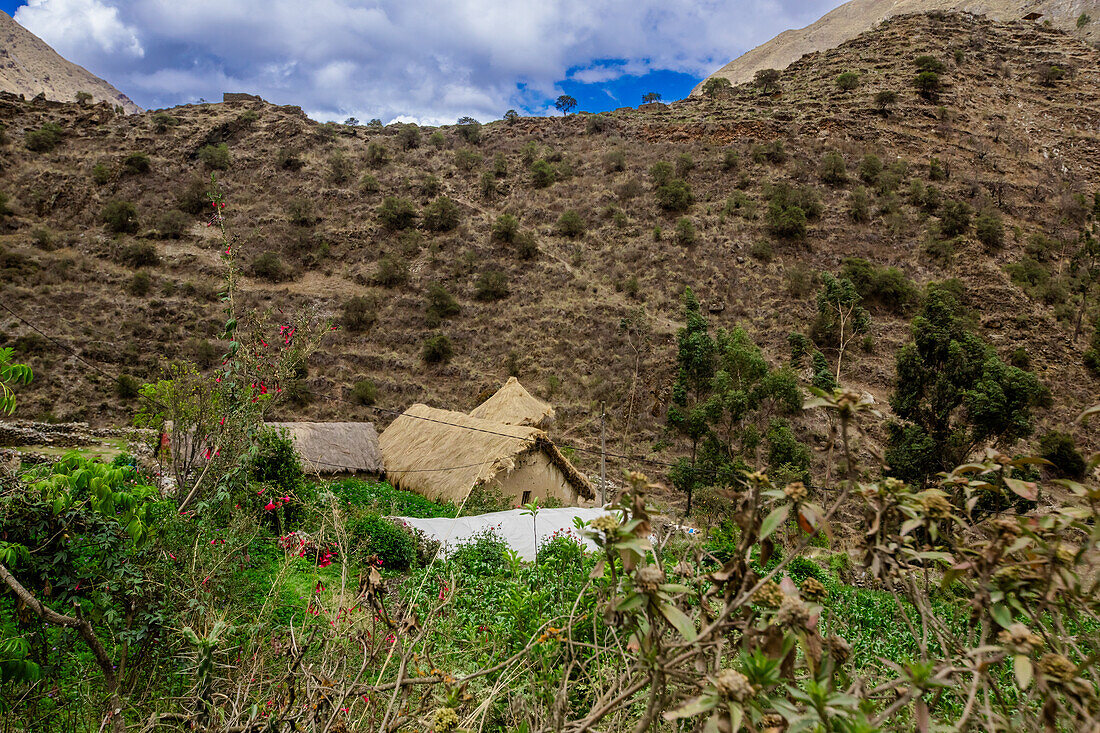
(430, 60)
(80, 27)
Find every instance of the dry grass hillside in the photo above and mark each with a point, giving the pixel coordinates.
(588, 318)
(28, 66)
(855, 17)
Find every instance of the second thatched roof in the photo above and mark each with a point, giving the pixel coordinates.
(443, 455)
(335, 447)
(514, 405)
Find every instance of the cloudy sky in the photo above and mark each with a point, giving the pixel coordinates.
(431, 61)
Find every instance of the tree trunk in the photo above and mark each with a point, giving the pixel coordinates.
(78, 622)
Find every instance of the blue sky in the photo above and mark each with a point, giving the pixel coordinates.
(429, 61)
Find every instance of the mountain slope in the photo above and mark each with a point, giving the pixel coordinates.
(28, 66)
(590, 317)
(855, 17)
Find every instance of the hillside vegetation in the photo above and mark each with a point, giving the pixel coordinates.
(558, 249)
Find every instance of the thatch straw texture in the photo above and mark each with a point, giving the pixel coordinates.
(335, 447)
(514, 405)
(443, 455)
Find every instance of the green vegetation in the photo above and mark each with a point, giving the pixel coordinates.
(952, 394)
(847, 81)
(437, 349)
(45, 138)
(570, 224)
(120, 217)
(441, 215)
(215, 157)
(397, 213)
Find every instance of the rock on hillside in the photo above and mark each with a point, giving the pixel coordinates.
(28, 66)
(585, 313)
(857, 16)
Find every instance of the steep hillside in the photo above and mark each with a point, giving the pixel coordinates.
(28, 66)
(857, 16)
(589, 318)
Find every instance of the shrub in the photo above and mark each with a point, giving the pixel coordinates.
(392, 271)
(358, 314)
(136, 163)
(170, 224)
(954, 219)
(486, 554)
(731, 160)
(396, 213)
(869, 168)
(570, 224)
(41, 236)
(194, 199)
(685, 232)
(442, 215)
(927, 83)
(1060, 449)
(799, 345)
(739, 204)
(367, 184)
(859, 205)
(376, 155)
(44, 139)
(823, 377)
(364, 392)
(833, 170)
(684, 165)
(491, 286)
(469, 130)
(847, 81)
(215, 157)
(773, 152)
(527, 247)
(885, 100)
(660, 173)
(466, 159)
(785, 451)
(162, 121)
(505, 228)
(101, 174)
(1049, 73)
(140, 284)
(138, 254)
(276, 462)
(766, 79)
(487, 185)
(614, 161)
(269, 266)
(408, 136)
(440, 304)
(373, 535)
(599, 124)
(340, 168)
(937, 171)
(299, 211)
(761, 250)
(788, 222)
(542, 174)
(287, 159)
(120, 217)
(930, 64)
(127, 387)
(717, 86)
(990, 229)
(437, 349)
(887, 287)
(675, 196)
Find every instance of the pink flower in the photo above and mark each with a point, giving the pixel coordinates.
(269, 506)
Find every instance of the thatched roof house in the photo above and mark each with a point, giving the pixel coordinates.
(444, 455)
(514, 405)
(335, 447)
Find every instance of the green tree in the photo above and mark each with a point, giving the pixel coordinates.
(690, 413)
(649, 97)
(565, 104)
(953, 393)
(840, 316)
(847, 81)
(716, 86)
(766, 79)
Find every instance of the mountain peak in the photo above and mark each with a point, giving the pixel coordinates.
(849, 20)
(28, 66)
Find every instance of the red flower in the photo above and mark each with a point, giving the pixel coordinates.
(269, 506)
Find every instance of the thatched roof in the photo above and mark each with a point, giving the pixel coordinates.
(514, 405)
(335, 447)
(443, 455)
